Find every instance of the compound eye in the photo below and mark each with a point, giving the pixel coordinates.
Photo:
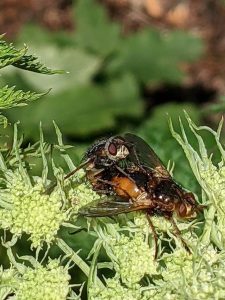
(112, 149)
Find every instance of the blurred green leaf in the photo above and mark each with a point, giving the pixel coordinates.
(155, 57)
(94, 31)
(80, 65)
(217, 107)
(84, 109)
(39, 36)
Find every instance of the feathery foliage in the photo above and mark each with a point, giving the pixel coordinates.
(9, 55)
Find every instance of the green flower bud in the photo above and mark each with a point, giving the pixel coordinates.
(82, 195)
(134, 258)
(141, 221)
(177, 263)
(8, 278)
(114, 290)
(32, 211)
(44, 283)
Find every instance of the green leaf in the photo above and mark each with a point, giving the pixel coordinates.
(31, 63)
(94, 31)
(10, 97)
(155, 57)
(35, 34)
(9, 54)
(80, 65)
(83, 110)
(217, 107)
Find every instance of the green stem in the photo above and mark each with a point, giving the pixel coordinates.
(93, 266)
(214, 237)
(209, 219)
(77, 259)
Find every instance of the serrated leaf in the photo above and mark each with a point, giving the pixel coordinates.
(9, 54)
(10, 97)
(31, 63)
(154, 57)
(94, 31)
(3, 121)
(80, 65)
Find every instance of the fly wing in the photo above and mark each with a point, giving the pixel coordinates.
(141, 153)
(109, 208)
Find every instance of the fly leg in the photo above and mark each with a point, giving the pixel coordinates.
(154, 235)
(102, 191)
(107, 182)
(102, 188)
(50, 188)
(124, 173)
(177, 233)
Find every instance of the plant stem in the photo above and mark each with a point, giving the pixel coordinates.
(77, 259)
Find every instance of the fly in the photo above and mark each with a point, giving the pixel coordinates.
(127, 167)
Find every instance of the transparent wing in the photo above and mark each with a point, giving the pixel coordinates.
(109, 208)
(141, 153)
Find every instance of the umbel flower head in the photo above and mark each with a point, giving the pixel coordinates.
(114, 290)
(130, 253)
(134, 257)
(27, 209)
(43, 283)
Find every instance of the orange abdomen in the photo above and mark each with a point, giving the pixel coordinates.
(126, 188)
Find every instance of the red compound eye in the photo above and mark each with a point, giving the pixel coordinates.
(112, 149)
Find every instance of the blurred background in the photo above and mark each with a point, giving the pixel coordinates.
(130, 63)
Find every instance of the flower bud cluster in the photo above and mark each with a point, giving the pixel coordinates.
(188, 277)
(8, 277)
(114, 290)
(82, 194)
(214, 180)
(44, 283)
(134, 258)
(31, 211)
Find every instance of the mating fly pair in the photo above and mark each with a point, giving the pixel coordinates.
(126, 167)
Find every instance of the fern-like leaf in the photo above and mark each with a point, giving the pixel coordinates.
(10, 97)
(9, 54)
(31, 63)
